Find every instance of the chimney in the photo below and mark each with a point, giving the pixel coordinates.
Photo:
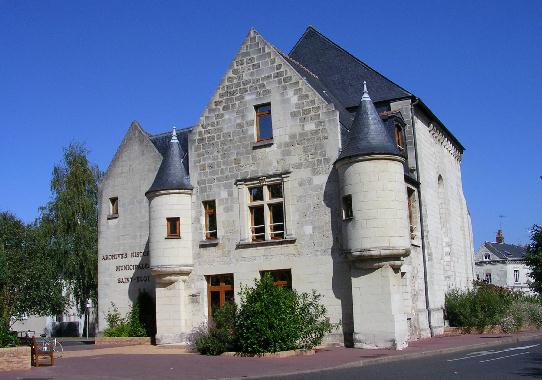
(499, 238)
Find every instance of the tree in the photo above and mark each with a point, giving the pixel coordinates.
(533, 258)
(70, 220)
(29, 283)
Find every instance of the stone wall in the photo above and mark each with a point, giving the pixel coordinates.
(15, 358)
(305, 145)
(447, 226)
(123, 261)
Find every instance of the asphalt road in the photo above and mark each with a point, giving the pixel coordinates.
(511, 361)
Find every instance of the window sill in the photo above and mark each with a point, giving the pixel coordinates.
(172, 237)
(262, 144)
(208, 243)
(266, 243)
(112, 216)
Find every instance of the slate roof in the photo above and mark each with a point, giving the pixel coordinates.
(161, 142)
(506, 251)
(172, 174)
(368, 135)
(323, 57)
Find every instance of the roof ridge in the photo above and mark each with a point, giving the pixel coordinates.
(310, 27)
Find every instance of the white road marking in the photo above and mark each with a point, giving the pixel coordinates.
(491, 352)
(504, 357)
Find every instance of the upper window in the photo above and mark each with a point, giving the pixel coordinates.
(264, 125)
(516, 275)
(487, 256)
(348, 213)
(399, 138)
(114, 206)
(266, 207)
(210, 220)
(173, 227)
(281, 277)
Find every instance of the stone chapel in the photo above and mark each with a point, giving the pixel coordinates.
(311, 166)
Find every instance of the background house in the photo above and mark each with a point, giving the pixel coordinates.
(502, 264)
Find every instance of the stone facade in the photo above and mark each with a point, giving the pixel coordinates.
(226, 160)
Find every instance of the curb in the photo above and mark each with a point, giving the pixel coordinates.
(399, 357)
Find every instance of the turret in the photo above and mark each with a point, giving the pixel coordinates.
(170, 241)
(375, 227)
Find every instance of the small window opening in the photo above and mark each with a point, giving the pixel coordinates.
(348, 213)
(411, 194)
(264, 124)
(399, 137)
(173, 227)
(210, 220)
(114, 206)
(516, 275)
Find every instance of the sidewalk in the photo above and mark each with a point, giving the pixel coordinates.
(168, 362)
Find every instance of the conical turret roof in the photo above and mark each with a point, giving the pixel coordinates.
(172, 174)
(368, 135)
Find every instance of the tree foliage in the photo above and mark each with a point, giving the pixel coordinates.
(533, 258)
(29, 282)
(70, 220)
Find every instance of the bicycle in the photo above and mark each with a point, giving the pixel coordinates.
(54, 342)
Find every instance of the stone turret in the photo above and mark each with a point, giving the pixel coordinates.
(170, 242)
(375, 228)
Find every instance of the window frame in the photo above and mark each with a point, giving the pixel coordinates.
(222, 288)
(279, 283)
(266, 203)
(399, 137)
(487, 278)
(516, 278)
(260, 114)
(114, 206)
(177, 221)
(208, 234)
(347, 209)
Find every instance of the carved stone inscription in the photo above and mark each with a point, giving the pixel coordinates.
(126, 270)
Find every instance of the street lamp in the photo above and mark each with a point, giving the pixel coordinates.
(89, 305)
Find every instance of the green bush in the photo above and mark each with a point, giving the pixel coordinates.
(488, 305)
(219, 336)
(269, 319)
(7, 338)
(130, 325)
(272, 319)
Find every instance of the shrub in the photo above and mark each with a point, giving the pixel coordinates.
(314, 323)
(130, 325)
(267, 320)
(7, 338)
(219, 336)
(272, 319)
(488, 305)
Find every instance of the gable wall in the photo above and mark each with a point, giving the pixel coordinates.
(128, 177)
(306, 143)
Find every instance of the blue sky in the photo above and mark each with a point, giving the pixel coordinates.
(83, 70)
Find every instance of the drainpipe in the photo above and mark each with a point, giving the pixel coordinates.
(422, 235)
